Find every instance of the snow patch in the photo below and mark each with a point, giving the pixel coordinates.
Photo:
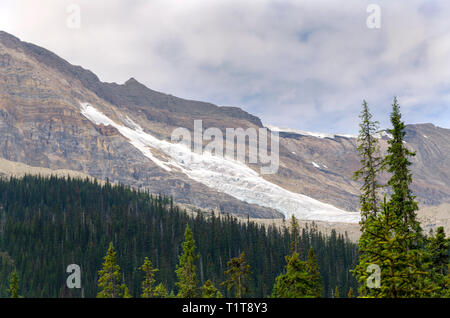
(223, 174)
(309, 133)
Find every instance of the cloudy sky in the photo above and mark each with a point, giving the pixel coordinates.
(298, 64)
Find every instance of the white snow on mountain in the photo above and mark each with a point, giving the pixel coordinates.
(315, 164)
(222, 174)
(308, 133)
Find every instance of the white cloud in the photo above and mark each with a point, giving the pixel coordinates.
(306, 65)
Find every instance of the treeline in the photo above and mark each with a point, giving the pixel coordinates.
(48, 223)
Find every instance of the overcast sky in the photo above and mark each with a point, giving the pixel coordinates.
(298, 64)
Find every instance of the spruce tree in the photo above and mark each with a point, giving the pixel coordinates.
(186, 269)
(437, 261)
(371, 164)
(397, 160)
(238, 273)
(295, 283)
(210, 291)
(295, 232)
(149, 280)
(160, 291)
(314, 274)
(391, 237)
(109, 281)
(14, 285)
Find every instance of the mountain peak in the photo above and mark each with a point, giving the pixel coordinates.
(132, 81)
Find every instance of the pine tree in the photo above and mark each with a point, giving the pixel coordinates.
(149, 280)
(210, 291)
(295, 283)
(391, 237)
(160, 291)
(14, 285)
(186, 269)
(402, 200)
(371, 164)
(238, 273)
(314, 274)
(295, 232)
(437, 261)
(109, 281)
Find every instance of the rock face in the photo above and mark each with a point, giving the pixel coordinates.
(41, 125)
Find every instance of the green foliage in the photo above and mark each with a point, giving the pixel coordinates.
(314, 275)
(14, 285)
(149, 280)
(210, 291)
(391, 235)
(238, 273)
(161, 291)
(437, 250)
(295, 283)
(48, 223)
(109, 282)
(186, 269)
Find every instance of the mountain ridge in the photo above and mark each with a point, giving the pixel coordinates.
(41, 125)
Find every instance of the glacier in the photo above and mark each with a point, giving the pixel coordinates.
(222, 174)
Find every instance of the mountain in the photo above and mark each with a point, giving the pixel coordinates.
(56, 115)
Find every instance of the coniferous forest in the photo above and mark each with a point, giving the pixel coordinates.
(48, 223)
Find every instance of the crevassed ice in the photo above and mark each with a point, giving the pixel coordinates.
(222, 174)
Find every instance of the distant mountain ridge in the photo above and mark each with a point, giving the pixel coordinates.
(41, 125)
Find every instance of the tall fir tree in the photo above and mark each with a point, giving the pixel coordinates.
(437, 261)
(210, 291)
(149, 280)
(14, 285)
(109, 281)
(238, 273)
(391, 238)
(397, 160)
(371, 165)
(295, 282)
(186, 269)
(314, 274)
(160, 291)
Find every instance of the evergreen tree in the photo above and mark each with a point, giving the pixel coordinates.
(397, 160)
(238, 274)
(160, 291)
(437, 261)
(149, 280)
(14, 285)
(314, 274)
(186, 269)
(295, 283)
(209, 291)
(109, 281)
(371, 164)
(391, 237)
(295, 232)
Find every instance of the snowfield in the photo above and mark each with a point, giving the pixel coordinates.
(222, 174)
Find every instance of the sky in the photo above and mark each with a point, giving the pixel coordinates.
(299, 64)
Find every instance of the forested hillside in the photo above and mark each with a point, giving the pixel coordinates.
(49, 223)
